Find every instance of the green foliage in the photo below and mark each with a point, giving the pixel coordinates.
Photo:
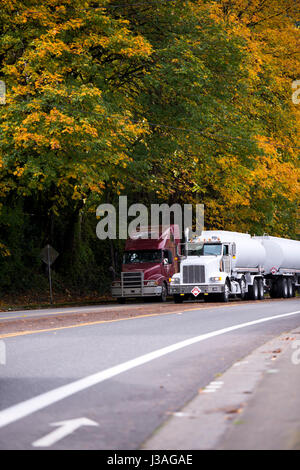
(166, 101)
(20, 267)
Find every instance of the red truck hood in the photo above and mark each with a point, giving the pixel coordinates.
(151, 270)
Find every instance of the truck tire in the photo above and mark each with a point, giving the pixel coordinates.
(243, 293)
(283, 288)
(178, 299)
(253, 291)
(290, 287)
(164, 293)
(224, 296)
(121, 300)
(261, 289)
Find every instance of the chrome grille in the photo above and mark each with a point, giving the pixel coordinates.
(193, 274)
(132, 279)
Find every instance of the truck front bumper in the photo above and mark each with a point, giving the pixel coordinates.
(146, 291)
(203, 288)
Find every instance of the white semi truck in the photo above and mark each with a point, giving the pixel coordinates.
(220, 264)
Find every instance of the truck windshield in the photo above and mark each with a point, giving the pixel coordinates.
(204, 249)
(142, 256)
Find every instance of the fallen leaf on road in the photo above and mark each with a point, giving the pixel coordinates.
(234, 411)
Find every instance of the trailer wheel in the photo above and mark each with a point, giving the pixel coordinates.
(253, 291)
(261, 289)
(290, 288)
(283, 288)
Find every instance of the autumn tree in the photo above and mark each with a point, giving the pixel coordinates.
(67, 123)
(164, 101)
(272, 37)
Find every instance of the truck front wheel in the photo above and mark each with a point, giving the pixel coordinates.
(224, 296)
(164, 293)
(243, 288)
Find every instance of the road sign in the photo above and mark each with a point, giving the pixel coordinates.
(49, 255)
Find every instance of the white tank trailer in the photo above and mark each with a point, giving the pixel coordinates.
(220, 264)
(282, 265)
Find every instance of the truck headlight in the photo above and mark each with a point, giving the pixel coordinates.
(116, 284)
(216, 279)
(152, 283)
(175, 280)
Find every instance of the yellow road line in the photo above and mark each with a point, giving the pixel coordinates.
(47, 330)
(30, 332)
(32, 315)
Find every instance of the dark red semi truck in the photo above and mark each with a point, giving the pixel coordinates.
(148, 264)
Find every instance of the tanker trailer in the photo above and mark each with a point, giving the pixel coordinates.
(282, 265)
(220, 264)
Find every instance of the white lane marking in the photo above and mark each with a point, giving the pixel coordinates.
(178, 414)
(212, 386)
(272, 371)
(65, 428)
(26, 408)
(240, 363)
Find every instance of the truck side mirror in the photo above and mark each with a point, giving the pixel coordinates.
(233, 249)
(111, 269)
(165, 261)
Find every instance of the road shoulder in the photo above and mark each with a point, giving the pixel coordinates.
(254, 405)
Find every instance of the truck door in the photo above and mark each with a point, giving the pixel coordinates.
(168, 269)
(226, 260)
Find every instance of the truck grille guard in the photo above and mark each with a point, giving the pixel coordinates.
(132, 280)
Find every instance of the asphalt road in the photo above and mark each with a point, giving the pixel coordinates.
(124, 377)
